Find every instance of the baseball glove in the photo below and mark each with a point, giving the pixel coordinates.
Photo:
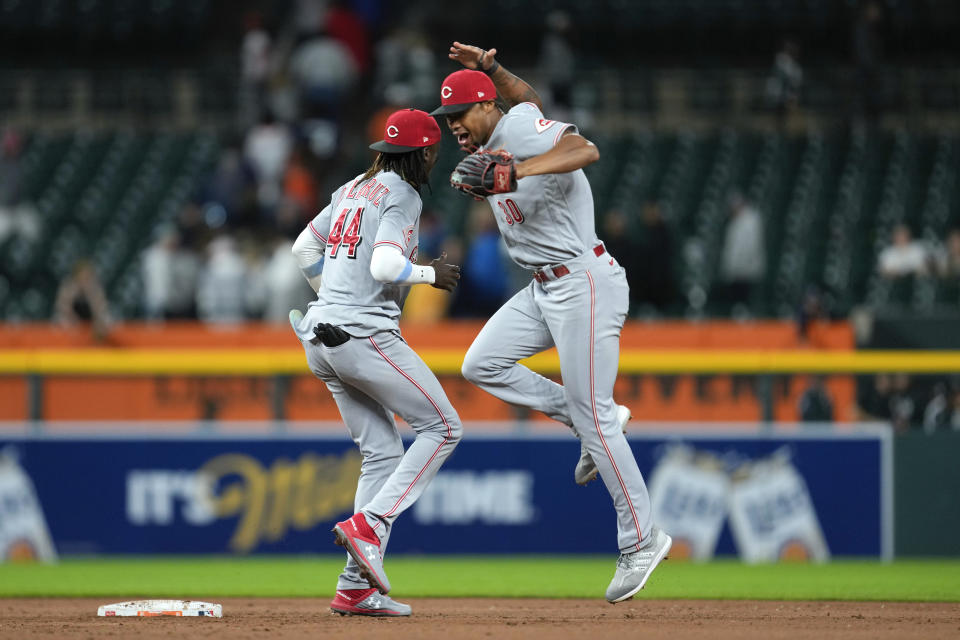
(485, 173)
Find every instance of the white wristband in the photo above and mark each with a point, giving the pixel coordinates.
(389, 265)
(420, 274)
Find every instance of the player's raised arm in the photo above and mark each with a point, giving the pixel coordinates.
(572, 152)
(510, 87)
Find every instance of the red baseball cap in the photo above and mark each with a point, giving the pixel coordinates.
(408, 130)
(462, 89)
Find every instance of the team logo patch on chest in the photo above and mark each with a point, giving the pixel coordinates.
(542, 125)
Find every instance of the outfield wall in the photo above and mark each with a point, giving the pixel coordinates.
(927, 494)
(761, 494)
(190, 371)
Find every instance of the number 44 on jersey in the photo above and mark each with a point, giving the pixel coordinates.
(350, 238)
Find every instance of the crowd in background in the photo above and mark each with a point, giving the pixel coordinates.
(226, 257)
(301, 133)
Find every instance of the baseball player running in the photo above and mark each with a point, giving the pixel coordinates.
(577, 300)
(365, 243)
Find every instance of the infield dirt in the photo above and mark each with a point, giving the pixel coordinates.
(504, 618)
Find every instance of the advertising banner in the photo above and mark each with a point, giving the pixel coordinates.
(23, 530)
(752, 494)
(689, 490)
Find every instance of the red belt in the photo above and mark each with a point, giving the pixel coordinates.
(561, 270)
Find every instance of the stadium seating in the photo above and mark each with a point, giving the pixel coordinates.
(100, 196)
(829, 202)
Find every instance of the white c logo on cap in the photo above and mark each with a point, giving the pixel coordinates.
(446, 92)
(392, 131)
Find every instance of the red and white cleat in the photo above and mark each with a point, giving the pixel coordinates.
(367, 602)
(363, 545)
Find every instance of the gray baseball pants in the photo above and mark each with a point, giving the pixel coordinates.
(582, 313)
(372, 379)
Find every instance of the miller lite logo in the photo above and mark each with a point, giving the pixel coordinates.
(392, 131)
(446, 92)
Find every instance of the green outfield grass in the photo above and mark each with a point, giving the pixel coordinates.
(493, 576)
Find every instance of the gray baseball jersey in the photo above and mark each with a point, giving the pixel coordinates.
(549, 218)
(375, 375)
(577, 302)
(362, 215)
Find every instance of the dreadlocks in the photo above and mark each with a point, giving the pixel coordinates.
(411, 166)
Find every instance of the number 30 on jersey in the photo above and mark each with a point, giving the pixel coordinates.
(349, 238)
(511, 212)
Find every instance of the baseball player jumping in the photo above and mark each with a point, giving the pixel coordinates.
(529, 169)
(365, 243)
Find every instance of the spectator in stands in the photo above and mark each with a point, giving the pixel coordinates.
(81, 299)
(288, 219)
(558, 63)
(283, 285)
(867, 45)
(17, 216)
(892, 397)
(743, 256)
(654, 263)
(267, 148)
(10, 172)
(873, 397)
(223, 287)
(192, 228)
(938, 413)
(255, 61)
(233, 186)
(903, 403)
(815, 404)
(345, 25)
(170, 271)
(324, 70)
(948, 262)
(300, 187)
(427, 305)
(815, 304)
(405, 70)
(433, 233)
(904, 256)
(483, 281)
(786, 78)
(624, 247)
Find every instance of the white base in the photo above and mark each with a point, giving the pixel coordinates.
(151, 608)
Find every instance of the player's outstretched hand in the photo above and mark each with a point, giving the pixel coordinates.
(447, 275)
(472, 57)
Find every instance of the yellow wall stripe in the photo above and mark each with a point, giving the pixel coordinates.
(447, 361)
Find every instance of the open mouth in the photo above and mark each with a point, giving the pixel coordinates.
(463, 139)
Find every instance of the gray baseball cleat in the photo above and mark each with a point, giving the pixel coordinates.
(633, 569)
(367, 602)
(586, 470)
